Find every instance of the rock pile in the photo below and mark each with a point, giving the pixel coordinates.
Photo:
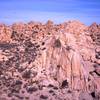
(94, 30)
(49, 61)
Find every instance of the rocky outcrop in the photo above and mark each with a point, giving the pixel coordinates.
(74, 27)
(5, 33)
(59, 60)
(49, 61)
(94, 30)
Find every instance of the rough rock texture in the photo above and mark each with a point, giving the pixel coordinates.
(75, 27)
(49, 61)
(94, 30)
(5, 33)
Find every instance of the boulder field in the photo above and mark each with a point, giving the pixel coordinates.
(50, 61)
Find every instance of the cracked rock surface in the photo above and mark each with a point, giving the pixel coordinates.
(50, 61)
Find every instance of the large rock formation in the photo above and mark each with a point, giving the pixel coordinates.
(62, 61)
(49, 61)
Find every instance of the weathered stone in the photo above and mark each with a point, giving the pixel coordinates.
(97, 50)
(26, 74)
(18, 82)
(43, 97)
(98, 61)
(31, 89)
(55, 60)
(85, 96)
(97, 70)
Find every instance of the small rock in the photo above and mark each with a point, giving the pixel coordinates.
(27, 98)
(96, 65)
(37, 46)
(69, 91)
(10, 95)
(50, 85)
(53, 94)
(18, 82)
(56, 88)
(97, 95)
(26, 74)
(20, 69)
(34, 73)
(97, 50)
(31, 89)
(15, 89)
(41, 87)
(43, 97)
(19, 96)
(23, 91)
(97, 70)
(97, 56)
(43, 43)
(98, 61)
(51, 91)
(85, 96)
(43, 48)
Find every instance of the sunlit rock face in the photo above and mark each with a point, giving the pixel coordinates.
(49, 61)
(74, 27)
(94, 30)
(5, 33)
(62, 61)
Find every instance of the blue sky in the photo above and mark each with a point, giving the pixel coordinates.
(87, 11)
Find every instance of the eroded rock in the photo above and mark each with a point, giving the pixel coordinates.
(50, 61)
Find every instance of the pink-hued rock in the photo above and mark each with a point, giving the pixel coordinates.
(61, 63)
(5, 33)
(85, 96)
(75, 27)
(94, 31)
(97, 69)
(49, 61)
(98, 61)
(94, 28)
(98, 49)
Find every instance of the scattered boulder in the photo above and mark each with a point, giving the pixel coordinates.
(85, 96)
(26, 74)
(31, 89)
(43, 97)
